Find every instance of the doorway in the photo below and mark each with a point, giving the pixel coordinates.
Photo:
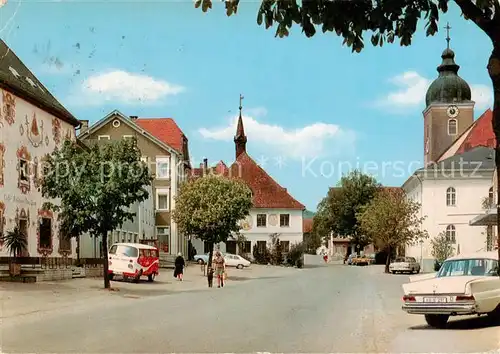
(23, 228)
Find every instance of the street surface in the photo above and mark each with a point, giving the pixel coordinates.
(321, 310)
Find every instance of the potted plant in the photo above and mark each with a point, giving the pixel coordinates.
(16, 243)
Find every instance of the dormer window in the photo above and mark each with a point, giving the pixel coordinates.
(452, 127)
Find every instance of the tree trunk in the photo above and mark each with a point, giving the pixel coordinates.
(388, 259)
(77, 250)
(210, 255)
(105, 259)
(494, 72)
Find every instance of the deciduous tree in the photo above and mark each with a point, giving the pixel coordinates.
(383, 21)
(442, 247)
(338, 212)
(95, 188)
(211, 208)
(391, 220)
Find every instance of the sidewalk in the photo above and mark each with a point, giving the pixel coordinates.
(20, 298)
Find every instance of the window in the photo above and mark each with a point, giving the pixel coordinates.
(262, 246)
(261, 220)
(246, 247)
(64, 242)
(1, 225)
(491, 197)
(103, 137)
(467, 267)
(284, 220)
(451, 233)
(162, 167)
(128, 251)
(162, 199)
(451, 198)
(285, 246)
(452, 127)
(113, 249)
(45, 233)
(23, 170)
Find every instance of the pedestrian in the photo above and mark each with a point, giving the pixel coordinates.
(219, 265)
(179, 266)
(210, 276)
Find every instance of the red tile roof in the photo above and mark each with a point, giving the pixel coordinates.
(220, 169)
(267, 193)
(307, 225)
(481, 134)
(164, 129)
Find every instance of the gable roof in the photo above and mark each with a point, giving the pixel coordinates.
(165, 130)
(267, 193)
(17, 78)
(477, 158)
(480, 133)
(117, 114)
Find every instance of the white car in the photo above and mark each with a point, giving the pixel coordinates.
(466, 284)
(404, 265)
(234, 260)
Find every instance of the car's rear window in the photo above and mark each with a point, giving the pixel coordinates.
(400, 259)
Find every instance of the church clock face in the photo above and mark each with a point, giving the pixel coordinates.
(452, 111)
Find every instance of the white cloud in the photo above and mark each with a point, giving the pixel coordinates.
(412, 87)
(121, 86)
(313, 140)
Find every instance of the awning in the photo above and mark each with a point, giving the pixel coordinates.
(487, 219)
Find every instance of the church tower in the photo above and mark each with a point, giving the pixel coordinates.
(449, 110)
(240, 139)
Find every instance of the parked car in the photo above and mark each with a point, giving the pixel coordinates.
(350, 258)
(133, 261)
(234, 260)
(404, 265)
(201, 258)
(361, 260)
(466, 284)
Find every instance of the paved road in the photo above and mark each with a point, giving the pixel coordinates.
(331, 309)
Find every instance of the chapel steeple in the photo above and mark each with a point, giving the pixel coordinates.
(449, 109)
(240, 139)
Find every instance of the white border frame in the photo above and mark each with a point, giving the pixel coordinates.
(103, 137)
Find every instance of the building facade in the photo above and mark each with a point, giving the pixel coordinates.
(32, 124)
(458, 166)
(165, 150)
(274, 213)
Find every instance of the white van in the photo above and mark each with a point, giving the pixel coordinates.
(133, 261)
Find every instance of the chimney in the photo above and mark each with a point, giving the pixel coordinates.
(84, 125)
(205, 166)
(134, 118)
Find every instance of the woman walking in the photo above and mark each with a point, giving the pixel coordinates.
(219, 265)
(179, 267)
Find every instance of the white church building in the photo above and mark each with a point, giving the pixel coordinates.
(456, 181)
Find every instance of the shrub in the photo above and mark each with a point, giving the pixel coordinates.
(295, 254)
(260, 257)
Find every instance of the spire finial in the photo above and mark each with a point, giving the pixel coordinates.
(447, 28)
(241, 102)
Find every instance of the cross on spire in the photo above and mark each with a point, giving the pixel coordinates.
(447, 28)
(241, 102)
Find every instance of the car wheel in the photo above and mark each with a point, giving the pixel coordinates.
(239, 266)
(200, 261)
(437, 321)
(495, 314)
(151, 277)
(418, 271)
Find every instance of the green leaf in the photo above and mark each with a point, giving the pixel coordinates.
(197, 3)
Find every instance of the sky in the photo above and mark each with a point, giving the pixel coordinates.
(312, 109)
